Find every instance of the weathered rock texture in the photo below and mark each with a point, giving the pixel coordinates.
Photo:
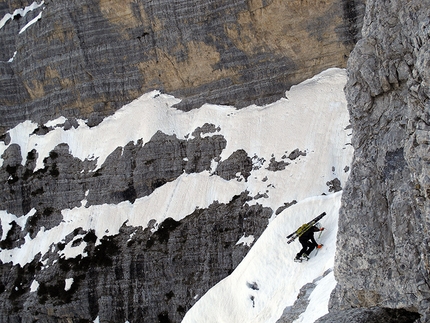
(370, 315)
(292, 313)
(86, 59)
(137, 274)
(383, 244)
(128, 173)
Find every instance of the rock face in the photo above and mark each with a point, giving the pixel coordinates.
(292, 313)
(138, 229)
(165, 271)
(370, 315)
(128, 173)
(135, 274)
(383, 243)
(88, 58)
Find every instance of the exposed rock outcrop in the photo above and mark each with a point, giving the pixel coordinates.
(383, 243)
(136, 274)
(292, 313)
(128, 173)
(165, 271)
(370, 315)
(86, 59)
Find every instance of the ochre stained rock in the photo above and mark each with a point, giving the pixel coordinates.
(87, 59)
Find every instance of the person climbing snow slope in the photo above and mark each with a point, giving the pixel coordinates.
(308, 243)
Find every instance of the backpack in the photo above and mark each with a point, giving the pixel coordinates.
(305, 227)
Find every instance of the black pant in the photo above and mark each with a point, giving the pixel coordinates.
(308, 246)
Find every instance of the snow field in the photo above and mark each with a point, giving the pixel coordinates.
(312, 118)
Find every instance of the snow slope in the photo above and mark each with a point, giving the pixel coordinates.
(269, 266)
(312, 118)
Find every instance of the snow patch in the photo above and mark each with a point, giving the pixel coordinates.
(246, 240)
(12, 58)
(318, 300)
(21, 12)
(7, 219)
(56, 122)
(74, 248)
(21, 136)
(175, 199)
(31, 22)
(34, 286)
(307, 119)
(314, 119)
(68, 283)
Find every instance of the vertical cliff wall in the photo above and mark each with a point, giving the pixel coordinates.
(88, 58)
(383, 243)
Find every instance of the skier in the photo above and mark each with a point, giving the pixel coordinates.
(308, 243)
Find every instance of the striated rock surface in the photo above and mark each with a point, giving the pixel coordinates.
(85, 59)
(128, 173)
(139, 273)
(383, 243)
(135, 274)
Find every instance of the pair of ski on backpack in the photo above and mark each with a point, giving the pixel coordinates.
(300, 231)
(304, 228)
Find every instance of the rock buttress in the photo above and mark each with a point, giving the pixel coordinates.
(383, 243)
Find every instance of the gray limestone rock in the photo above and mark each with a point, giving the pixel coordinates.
(292, 313)
(86, 59)
(370, 315)
(165, 271)
(128, 173)
(135, 275)
(383, 243)
(238, 165)
(296, 154)
(275, 165)
(334, 185)
(285, 206)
